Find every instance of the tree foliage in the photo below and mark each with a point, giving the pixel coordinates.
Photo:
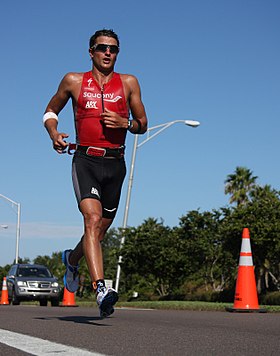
(203, 247)
(262, 216)
(154, 252)
(239, 185)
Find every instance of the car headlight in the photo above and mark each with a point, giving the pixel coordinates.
(55, 284)
(21, 284)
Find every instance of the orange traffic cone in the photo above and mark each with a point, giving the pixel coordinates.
(68, 299)
(246, 298)
(4, 295)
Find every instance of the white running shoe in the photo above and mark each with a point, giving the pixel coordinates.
(106, 299)
(71, 277)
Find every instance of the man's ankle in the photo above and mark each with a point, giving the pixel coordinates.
(99, 286)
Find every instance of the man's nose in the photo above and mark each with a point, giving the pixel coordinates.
(108, 51)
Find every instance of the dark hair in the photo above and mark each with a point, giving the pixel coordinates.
(104, 32)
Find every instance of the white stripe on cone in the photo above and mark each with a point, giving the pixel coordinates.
(246, 258)
(245, 261)
(246, 245)
(4, 286)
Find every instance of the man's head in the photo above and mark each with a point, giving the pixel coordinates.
(104, 49)
(104, 32)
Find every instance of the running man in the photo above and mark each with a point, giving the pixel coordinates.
(102, 101)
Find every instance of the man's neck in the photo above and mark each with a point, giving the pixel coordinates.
(102, 77)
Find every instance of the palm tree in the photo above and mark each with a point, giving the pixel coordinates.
(240, 184)
(265, 192)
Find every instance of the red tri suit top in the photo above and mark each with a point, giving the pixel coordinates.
(90, 130)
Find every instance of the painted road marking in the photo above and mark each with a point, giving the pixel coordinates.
(40, 347)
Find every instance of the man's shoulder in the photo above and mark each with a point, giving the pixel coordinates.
(128, 78)
(72, 80)
(73, 76)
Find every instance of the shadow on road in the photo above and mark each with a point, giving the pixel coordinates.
(78, 319)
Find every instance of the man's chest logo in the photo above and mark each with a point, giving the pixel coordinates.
(90, 104)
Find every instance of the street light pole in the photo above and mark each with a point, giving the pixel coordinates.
(159, 128)
(130, 181)
(18, 224)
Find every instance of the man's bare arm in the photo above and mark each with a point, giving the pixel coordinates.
(139, 124)
(56, 104)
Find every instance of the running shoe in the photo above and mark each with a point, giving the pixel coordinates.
(106, 299)
(71, 277)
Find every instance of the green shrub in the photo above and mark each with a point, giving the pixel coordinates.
(272, 298)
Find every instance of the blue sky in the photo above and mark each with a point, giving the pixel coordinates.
(213, 61)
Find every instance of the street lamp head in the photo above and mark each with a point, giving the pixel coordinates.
(192, 123)
(4, 226)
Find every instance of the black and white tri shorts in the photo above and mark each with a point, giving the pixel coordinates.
(99, 178)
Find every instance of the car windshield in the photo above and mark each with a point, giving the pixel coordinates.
(34, 272)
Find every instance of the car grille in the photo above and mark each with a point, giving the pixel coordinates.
(39, 284)
(38, 291)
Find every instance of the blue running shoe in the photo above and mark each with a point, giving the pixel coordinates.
(71, 277)
(106, 299)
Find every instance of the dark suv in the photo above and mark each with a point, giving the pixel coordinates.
(32, 282)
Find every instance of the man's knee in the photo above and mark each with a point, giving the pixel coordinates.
(92, 220)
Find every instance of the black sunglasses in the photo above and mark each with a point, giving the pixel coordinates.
(103, 48)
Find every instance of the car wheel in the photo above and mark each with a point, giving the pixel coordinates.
(55, 302)
(15, 300)
(43, 303)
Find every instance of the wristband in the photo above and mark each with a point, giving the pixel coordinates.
(49, 115)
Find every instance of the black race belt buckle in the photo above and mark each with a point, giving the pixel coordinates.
(96, 151)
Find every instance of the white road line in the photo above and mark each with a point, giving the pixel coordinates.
(40, 347)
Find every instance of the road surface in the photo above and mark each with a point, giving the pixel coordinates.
(133, 332)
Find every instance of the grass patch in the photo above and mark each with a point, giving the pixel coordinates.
(178, 305)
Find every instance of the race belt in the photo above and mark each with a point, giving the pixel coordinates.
(117, 152)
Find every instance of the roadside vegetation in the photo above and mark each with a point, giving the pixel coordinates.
(177, 305)
(195, 263)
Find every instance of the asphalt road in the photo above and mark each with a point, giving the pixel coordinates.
(143, 332)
